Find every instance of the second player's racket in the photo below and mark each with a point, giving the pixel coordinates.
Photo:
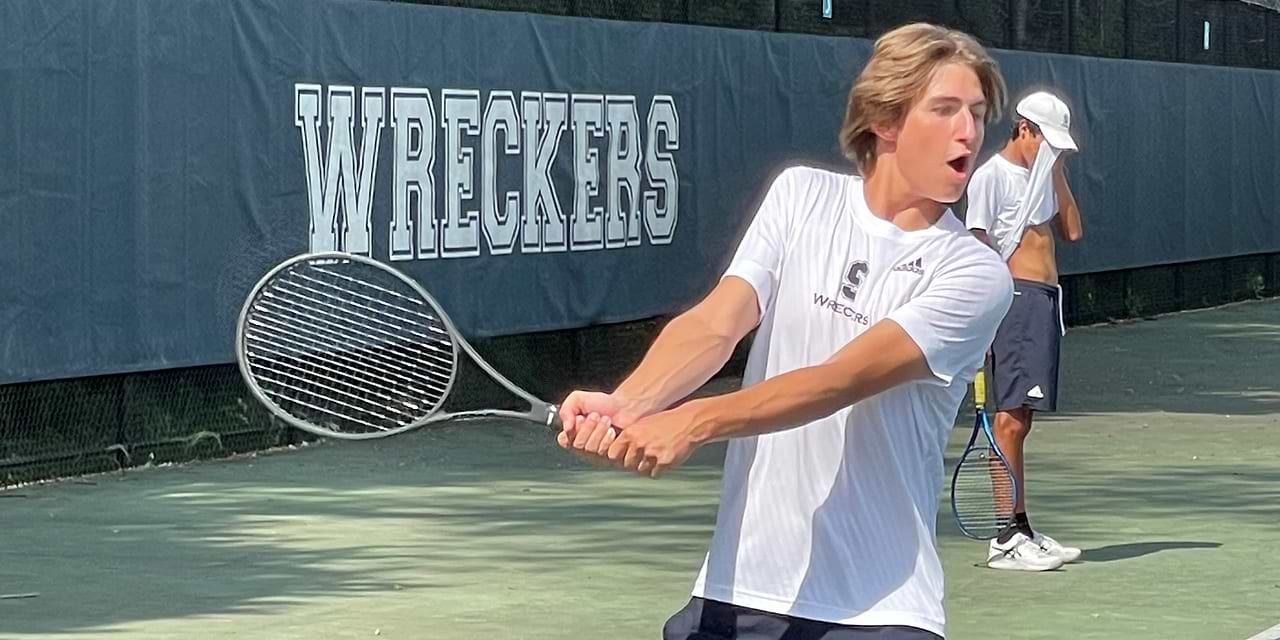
(983, 489)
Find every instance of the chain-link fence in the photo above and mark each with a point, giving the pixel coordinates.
(1148, 291)
(1239, 33)
(83, 425)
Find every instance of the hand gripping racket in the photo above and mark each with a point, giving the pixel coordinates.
(344, 346)
(983, 489)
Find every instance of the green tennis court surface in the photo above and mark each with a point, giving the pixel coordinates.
(1164, 466)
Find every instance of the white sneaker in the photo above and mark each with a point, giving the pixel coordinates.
(1020, 553)
(1051, 547)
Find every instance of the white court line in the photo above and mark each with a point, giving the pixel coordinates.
(1268, 634)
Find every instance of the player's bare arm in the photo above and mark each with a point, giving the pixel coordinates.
(688, 351)
(883, 357)
(1068, 218)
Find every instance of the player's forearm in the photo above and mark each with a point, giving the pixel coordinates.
(885, 359)
(1068, 213)
(777, 404)
(685, 355)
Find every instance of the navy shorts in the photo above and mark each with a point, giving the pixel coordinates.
(1024, 354)
(713, 620)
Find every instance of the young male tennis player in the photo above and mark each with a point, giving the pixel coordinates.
(1017, 200)
(875, 307)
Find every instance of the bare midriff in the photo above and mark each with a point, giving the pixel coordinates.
(1035, 258)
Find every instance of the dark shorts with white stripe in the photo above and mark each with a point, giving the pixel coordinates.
(1024, 354)
(703, 619)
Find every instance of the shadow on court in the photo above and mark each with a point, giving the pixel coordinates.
(1114, 552)
(147, 548)
(341, 523)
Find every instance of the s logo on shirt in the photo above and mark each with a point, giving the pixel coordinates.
(853, 279)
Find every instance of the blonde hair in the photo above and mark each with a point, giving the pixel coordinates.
(900, 68)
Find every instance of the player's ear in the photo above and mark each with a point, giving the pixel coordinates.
(887, 132)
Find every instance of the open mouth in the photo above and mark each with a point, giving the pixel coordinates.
(959, 164)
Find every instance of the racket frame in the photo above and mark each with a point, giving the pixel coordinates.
(540, 411)
(982, 424)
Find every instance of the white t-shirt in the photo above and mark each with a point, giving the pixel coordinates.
(1002, 202)
(835, 520)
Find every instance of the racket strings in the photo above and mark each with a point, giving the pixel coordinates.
(348, 362)
(983, 494)
(366, 317)
(348, 347)
(338, 329)
(329, 336)
(347, 352)
(325, 334)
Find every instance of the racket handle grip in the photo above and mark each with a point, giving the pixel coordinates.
(980, 389)
(553, 418)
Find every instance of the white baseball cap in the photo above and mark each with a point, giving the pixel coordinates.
(1052, 116)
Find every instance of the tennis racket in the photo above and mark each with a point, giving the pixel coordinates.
(344, 346)
(983, 489)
